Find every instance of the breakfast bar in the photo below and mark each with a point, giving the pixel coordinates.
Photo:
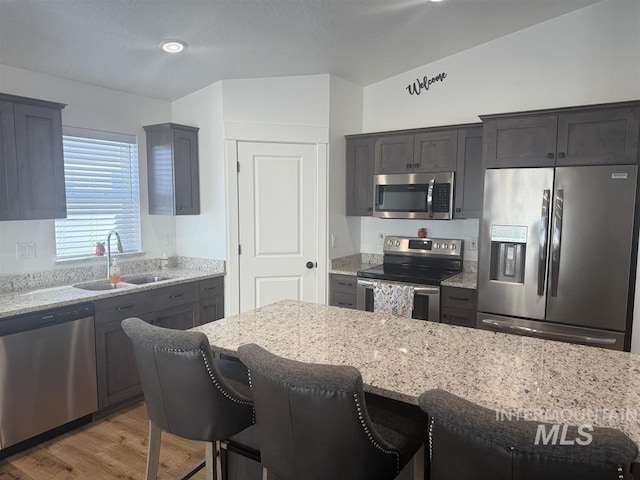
(518, 377)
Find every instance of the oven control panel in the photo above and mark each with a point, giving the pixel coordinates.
(422, 246)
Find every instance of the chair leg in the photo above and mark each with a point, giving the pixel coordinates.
(265, 474)
(419, 461)
(218, 454)
(153, 454)
(211, 452)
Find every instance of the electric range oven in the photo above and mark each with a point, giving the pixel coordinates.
(422, 263)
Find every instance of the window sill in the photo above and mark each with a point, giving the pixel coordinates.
(95, 259)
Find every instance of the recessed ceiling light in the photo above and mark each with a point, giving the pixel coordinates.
(173, 46)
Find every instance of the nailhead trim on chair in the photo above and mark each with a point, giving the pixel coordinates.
(370, 435)
(213, 377)
(620, 472)
(251, 388)
(431, 439)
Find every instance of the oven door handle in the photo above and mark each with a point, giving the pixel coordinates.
(426, 290)
(365, 283)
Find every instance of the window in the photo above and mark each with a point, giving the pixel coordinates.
(102, 185)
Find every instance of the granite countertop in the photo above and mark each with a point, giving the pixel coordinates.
(352, 269)
(462, 280)
(352, 264)
(400, 358)
(27, 301)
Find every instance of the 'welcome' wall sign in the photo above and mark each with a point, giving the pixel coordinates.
(416, 87)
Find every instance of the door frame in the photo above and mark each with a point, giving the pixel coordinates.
(272, 133)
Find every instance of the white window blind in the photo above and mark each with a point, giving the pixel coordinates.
(102, 187)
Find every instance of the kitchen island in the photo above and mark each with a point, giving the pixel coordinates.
(399, 358)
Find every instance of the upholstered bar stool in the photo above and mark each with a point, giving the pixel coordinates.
(471, 442)
(315, 423)
(188, 393)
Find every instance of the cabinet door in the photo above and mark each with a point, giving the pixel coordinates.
(468, 188)
(40, 162)
(608, 136)
(181, 317)
(394, 154)
(457, 316)
(360, 165)
(185, 158)
(9, 204)
(435, 151)
(211, 310)
(116, 367)
(520, 141)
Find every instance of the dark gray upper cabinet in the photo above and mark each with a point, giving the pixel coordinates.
(468, 188)
(360, 165)
(588, 135)
(598, 137)
(172, 169)
(31, 159)
(520, 141)
(394, 154)
(435, 151)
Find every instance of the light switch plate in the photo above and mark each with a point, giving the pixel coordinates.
(473, 243)
(25, 250)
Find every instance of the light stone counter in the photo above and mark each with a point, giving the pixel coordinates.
(27, 301)
(462, 280)
(401, 358)
(352, 264)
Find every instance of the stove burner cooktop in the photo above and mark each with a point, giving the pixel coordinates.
(423, 261)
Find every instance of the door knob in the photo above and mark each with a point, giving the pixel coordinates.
(309, 264)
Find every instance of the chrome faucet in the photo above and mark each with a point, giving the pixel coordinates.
(109, 248)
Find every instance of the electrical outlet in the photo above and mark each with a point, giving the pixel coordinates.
(25, 250)
(473, 243)
(333, 241)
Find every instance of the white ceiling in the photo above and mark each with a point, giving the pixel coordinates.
(115, 43)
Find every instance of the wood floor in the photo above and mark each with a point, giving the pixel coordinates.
(112, 448)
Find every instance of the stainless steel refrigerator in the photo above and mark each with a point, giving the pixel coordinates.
(556, 252)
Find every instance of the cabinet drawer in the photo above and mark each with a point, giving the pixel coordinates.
(346, 300)
(175, 295)
(211, 287)
(344, 283)
(457, 316)
(465, 298)
(123, 306)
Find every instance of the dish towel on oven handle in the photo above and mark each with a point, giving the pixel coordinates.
(393, 299)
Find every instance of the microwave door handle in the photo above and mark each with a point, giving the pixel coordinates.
(544, 241)
(556, 240)
(430, 198)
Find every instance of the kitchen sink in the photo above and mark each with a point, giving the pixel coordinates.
(101, 285)
(142, 279)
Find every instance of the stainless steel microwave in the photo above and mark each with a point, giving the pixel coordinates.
(414, 195)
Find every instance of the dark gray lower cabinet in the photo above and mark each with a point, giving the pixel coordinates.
(342, 290)
(211, 300)
(176, 306)
(458, 306)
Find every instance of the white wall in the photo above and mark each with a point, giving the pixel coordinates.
(204, 235)
(88, 107)
(345, 117)
(585, 57)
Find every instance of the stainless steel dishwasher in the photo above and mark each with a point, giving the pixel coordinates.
(47, 371)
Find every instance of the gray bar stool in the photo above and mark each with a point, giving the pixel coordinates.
(315, 422)
(475, 443)
(188, 393)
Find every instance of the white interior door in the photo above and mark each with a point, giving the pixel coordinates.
(277, 209)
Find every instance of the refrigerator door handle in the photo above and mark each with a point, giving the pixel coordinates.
(430, 197)
(544, 241)
(505, 325)
(556, 239)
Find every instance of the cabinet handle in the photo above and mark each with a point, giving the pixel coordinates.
(561, 155)
(369, 209)
(408, 165)
(550, 156)
(461, 299)
(416, 165)
(210, 288)
(125, 307)
(343, 304)
(346, 284)
(176, 296)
